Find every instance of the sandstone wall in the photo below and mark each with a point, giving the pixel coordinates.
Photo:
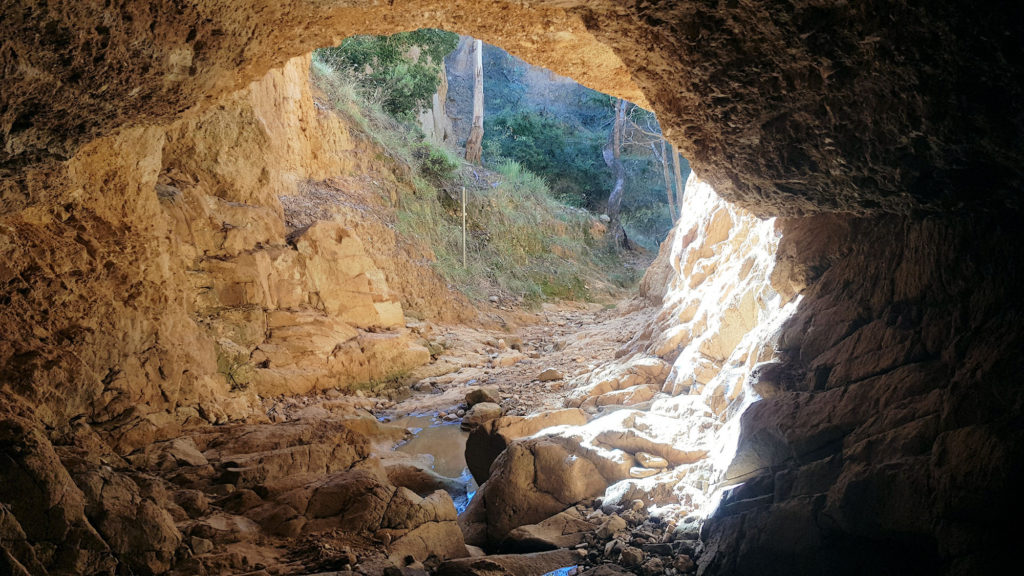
(165, 285)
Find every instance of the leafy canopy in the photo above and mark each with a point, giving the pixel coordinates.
(401, 71)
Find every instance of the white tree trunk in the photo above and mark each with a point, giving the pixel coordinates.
(474, 143)
(668, 180)
(679, 177)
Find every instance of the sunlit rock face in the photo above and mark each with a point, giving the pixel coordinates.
(668, 411)
(172, 286)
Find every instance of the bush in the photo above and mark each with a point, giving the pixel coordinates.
(567, 155)
(437, 163)
(388, 73)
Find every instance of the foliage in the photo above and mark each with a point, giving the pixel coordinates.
(436, 162)
(521, 239)
(567, 155)
(559, 130)
(401, 71)
(236, 368)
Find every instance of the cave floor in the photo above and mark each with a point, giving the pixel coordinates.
(237, 501)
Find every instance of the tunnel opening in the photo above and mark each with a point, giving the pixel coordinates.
(888, 427)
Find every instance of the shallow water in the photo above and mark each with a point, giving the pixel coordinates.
(445, 443)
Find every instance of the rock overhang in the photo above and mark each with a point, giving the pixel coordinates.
(787, 108)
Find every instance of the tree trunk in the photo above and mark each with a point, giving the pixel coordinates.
(679, 177)
(614, 161)
(668, 180)
(474, 143)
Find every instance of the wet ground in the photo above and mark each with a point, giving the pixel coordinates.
(445, 443)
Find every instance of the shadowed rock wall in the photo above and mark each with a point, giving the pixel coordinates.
(890, 432)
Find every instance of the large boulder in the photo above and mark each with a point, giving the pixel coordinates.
(480, 413)
(533, 479)
(535, 564)
(490, 439)
(45, 502)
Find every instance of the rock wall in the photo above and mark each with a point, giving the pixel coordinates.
(886, 438)
(168, 289)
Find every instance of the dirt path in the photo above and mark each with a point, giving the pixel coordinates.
(568, 339)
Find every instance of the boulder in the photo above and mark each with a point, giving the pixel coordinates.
(355, 500)
(480, 413)
(532, 480)
(549, 375)
(483, 394)
(488, 440)
(563, 530)
(535, 564)
(42, 499)
(440, 540)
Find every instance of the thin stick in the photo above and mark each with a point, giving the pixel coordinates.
(463, 227)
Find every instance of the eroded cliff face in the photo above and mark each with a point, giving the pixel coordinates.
(171, 285)
(190, 272)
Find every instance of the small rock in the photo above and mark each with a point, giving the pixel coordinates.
(610, 527)
(638, 472)
(613, 547)
(460, 412)
(653, 567)
(200, 545)
(684, 564)
(549, 375)
(631, 556)
(480, 413)
(648, 460)
(508, 359)
(501, 344)
(483, 394)
(493, 298)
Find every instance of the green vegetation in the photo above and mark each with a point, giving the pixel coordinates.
(559, 131)
(521, 240)
(401, 71)
(567, 155)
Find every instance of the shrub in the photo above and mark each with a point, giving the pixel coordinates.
(388, 72)
(437, 163)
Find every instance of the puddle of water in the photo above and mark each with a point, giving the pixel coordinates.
(562, 571)
(445, 443)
